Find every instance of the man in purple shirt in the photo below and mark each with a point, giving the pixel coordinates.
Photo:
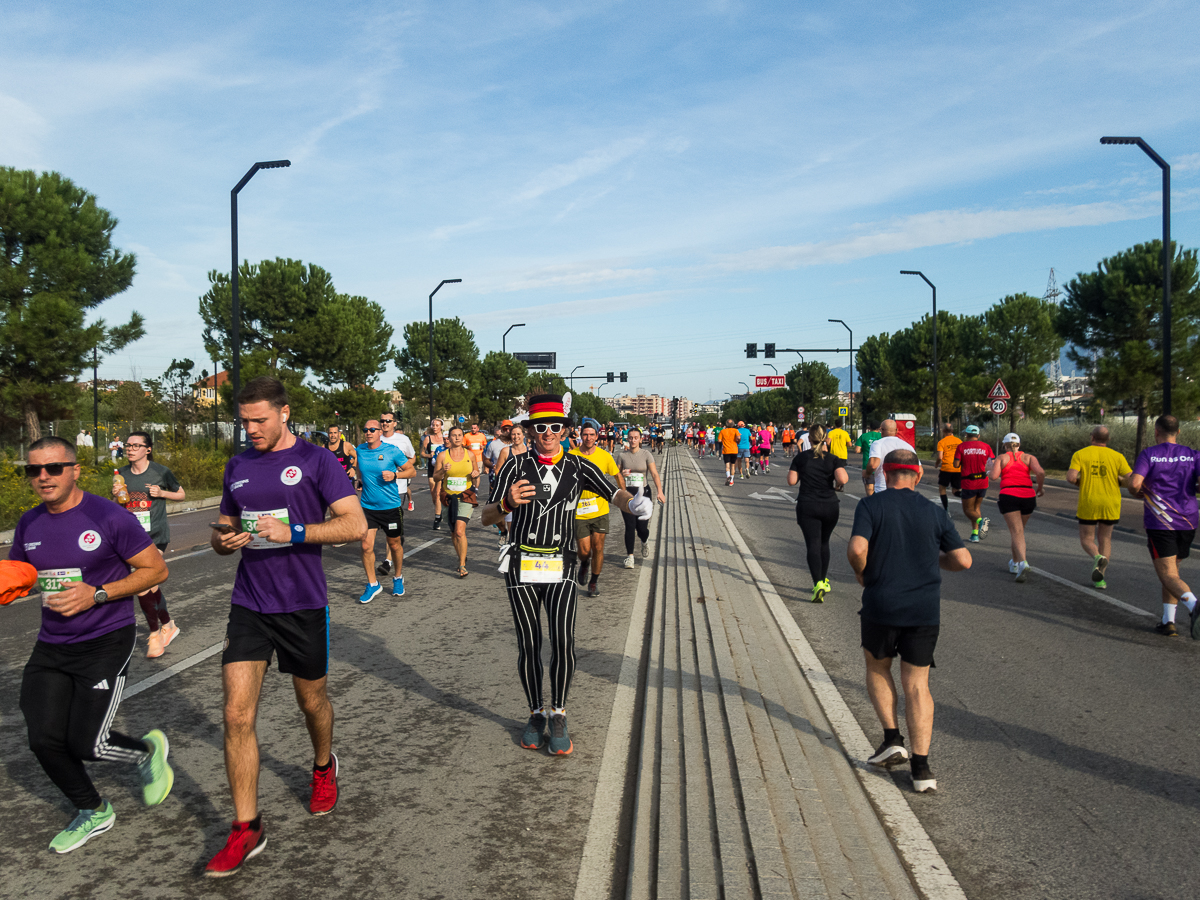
(83, 548)
(1165, 477)
(273, 511)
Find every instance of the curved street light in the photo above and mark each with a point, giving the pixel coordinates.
(435, 290)
(851, 409)
(505, 335)
(937, 418)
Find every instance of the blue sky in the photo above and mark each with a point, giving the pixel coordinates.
(646, 186)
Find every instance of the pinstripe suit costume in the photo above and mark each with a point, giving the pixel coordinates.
(547, 524)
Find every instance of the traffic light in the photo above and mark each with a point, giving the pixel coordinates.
(610, 376)
(752, 351)
(624, 376)
(769, 351)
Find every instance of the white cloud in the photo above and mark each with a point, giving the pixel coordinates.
(574, 275)
(594, 163)
(20, 138)
(591, 306)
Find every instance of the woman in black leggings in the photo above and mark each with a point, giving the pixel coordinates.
(817, 471)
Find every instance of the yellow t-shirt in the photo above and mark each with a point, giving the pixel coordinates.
(592, 506)
(946, 447)
(458, 474)
(839, 441)
(1099, 491)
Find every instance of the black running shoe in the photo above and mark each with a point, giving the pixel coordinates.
(437, 523)
(384, 568)
(1166, 629)
(890, 753)
(1196, 622)
(923, 779)
(583, 573)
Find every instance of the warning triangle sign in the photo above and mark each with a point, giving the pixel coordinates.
(998, 391)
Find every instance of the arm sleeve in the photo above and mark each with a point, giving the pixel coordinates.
(593, 480)
(1075, 463)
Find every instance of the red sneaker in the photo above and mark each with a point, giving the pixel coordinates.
(245, 841)
(324, 788)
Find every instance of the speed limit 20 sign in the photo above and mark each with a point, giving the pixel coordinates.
(999, 407)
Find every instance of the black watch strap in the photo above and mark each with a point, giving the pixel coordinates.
(101, 596)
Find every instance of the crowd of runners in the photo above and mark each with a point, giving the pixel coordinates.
(549, 493)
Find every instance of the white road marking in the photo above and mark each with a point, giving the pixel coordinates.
(185, 556)
(1092, 593)
(159, 677)
(934, 879)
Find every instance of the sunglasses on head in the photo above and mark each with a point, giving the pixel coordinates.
(552, 427)
(52, 469)
(370, 429)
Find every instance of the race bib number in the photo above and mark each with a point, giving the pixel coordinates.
(143, 517)
(51, 581)
(588, 506)
(541, 569)
(635, 479)
(250, 524)
(456, 484)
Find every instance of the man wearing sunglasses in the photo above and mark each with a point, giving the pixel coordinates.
(389, 435)
(92, 557)
(383, 468)
(542, 489)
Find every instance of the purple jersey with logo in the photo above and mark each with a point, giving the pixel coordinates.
(89, 543)
(1169, 488)
(296, 486)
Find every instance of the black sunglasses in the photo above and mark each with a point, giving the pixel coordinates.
(370, 429)
(387, 421)
(552, 427)
(52, 469)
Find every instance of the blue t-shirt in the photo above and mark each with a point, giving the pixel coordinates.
(377, 493)
(902, 583)
(743, 438)
(89, 543)
(296, 486)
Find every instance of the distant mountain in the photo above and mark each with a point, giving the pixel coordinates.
(843, 377)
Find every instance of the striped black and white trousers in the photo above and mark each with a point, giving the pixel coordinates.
(561, 604)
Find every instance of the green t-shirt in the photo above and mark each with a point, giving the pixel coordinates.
(864, 442)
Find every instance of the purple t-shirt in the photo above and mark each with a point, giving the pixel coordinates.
(296, 486)
(1169, 488)
(89, 543)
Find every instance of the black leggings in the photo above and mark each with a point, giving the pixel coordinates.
(69, 696)
(561, 604)
(817, 519)
(635, 525)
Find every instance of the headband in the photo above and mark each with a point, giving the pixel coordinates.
(901, 467)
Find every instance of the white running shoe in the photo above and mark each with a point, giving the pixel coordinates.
(1012, 567)
(629, 561)
(1022, 571)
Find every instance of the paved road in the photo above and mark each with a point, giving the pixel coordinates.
(438, 799)
(1066, 729)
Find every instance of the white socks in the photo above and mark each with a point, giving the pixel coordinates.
(1168, 612)
(1189, 600)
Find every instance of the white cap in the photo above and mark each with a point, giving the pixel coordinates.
(1011, 438)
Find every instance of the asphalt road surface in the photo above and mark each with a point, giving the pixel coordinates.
(1066, 729)
(437, 798)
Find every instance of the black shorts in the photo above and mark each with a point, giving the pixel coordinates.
(300, 638)
(952, 480)
(914, 645)
(1096, 521)
(1165, 543)
(970, 493)
(730, 458)
(1024, 505)
(389, 521)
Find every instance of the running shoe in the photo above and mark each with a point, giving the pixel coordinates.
(818, 592)
(560, 740)
(384, 568)
(974, 538)
(398, 586)
(984, 524)
(890, 753)
(593, 590)
(324, 788)
(1195, 629)
(534, 735)
(370, 592)
(1022, 571)
(246, 841)
(923, 779)
(629, 561)
(1166, 629)
(583, 572)
(1012, 567)
(1098, 571)
(437, 522)
(1100, 585)
(645, 551)
(154, 645)
(157, 774)
(410, 506)
(169, 631)
(87, 824)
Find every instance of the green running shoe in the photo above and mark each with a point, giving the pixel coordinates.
(157, 775)
(534, 736)
(1100, 585)
(818, 592)
(560, 741)
(85, 826)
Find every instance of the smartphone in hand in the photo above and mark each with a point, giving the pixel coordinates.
(221, 527)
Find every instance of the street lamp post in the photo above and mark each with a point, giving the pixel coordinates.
(937, 419)
(502, 339)
(847, 327)
(235, 338)
(772, 368)
(1166, 240)
(95, 407)
(572, 377)
(802, 379)
(746, 386)
(435, 290)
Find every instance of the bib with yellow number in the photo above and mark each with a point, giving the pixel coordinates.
(588, 506)
(250, 524)
(541, 568)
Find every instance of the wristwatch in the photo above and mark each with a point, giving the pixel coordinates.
(101, 596)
